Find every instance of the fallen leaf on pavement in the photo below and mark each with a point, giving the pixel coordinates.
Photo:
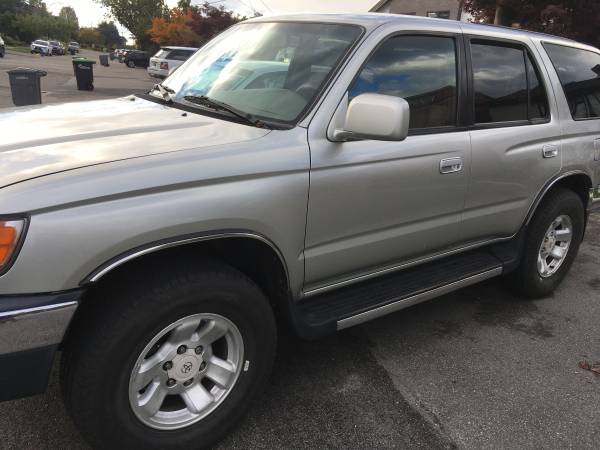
(585, 365)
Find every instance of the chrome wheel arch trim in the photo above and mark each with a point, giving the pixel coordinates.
(178, 241)
(549, 186)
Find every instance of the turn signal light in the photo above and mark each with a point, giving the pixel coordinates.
(10, 232)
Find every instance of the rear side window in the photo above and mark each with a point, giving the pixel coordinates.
(507, 85)
(579, 73)
(179, 55)
(420, 69)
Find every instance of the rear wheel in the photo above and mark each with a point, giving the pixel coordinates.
(552, 242)
(170, 363)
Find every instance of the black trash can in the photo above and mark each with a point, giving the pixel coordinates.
(84, 73)
(26, 86)
(104, 60)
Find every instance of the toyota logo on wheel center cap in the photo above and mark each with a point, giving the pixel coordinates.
(184, 367)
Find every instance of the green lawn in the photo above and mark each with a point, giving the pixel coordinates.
(19, 49)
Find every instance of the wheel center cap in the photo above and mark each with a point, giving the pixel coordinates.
(185, 367)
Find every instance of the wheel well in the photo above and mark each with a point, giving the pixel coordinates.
(256, 259)
(578, 183)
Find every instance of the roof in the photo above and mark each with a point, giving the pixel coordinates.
(372, 20)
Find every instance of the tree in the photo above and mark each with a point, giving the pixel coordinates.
(109, 35)
(68, 14)
(175, 29)
(576, 19)
(90, 37)
(191, 26)
(136, 16)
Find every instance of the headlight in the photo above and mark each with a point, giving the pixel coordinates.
(11, 232)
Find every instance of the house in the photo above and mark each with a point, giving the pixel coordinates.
(442, 9)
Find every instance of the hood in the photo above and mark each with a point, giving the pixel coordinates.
(43, 140)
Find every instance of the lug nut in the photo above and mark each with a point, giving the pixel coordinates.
(168, 365)
(188, 382)
(198, 349)
(203, 365)
(171, 382)
(181, 349)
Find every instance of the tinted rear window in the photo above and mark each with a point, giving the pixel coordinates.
(507, 84)
(579, 73)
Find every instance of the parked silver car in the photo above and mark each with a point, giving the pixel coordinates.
(41, 47)
(159, 240)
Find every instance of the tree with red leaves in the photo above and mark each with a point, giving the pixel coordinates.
(191, 25)
(575, 19)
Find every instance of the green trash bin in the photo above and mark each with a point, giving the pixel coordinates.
(84, 73)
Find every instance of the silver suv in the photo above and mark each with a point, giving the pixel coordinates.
(371, 163)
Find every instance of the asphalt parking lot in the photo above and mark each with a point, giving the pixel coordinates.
(60, 86)
(477, 369)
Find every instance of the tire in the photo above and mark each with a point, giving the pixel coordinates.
(131, 64)
(528, 280)
(113, 329)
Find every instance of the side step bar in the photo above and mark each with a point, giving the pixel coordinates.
(354, 304)
(415, 299)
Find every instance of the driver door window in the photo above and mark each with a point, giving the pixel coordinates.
(420, 69)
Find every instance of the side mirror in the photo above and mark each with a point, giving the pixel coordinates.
(371, 116)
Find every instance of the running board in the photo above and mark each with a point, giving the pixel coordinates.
(367, 300)
(415, 299)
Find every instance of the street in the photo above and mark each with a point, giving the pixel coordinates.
(60, 86)
(477, 369)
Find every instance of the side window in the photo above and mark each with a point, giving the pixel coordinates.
(507, 85)
(420, 69)
(579, 74)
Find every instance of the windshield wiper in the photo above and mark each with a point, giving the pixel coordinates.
(203, 100)
(165, 92)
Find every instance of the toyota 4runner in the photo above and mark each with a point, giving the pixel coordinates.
(369, 163)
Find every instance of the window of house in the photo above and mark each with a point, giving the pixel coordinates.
(439, 14)
(579, 73)
(420, 69)
(507, 85)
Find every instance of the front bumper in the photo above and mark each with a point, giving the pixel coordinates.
(31, 329)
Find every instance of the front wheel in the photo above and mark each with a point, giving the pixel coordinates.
(552, 242)
(170, 363)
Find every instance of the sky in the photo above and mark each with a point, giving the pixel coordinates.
(90, 13)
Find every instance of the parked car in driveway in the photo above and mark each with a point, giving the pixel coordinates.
(167, 59)
(159, 240)
(73, 47)
(42, 47)
(56, 48)
(136, 58)
(2, 48)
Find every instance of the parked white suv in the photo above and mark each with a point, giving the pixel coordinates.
(42, 47)
(2, 48)
(167, 59)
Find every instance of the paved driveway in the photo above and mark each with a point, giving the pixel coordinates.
(60, 86)
(477, 369)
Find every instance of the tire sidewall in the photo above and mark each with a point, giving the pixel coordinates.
(118, 417)
(564, 203)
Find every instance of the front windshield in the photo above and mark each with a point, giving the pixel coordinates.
(268, 70)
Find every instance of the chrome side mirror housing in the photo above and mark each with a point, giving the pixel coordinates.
(370, 116)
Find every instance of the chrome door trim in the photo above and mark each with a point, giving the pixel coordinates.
(98, 273)
(415, 299)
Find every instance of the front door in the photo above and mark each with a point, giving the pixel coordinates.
(375, 205)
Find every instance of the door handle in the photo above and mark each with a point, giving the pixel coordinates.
(597, 150)
(451, 165)
(550, 151)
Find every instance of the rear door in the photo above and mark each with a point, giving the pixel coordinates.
(375, 205)
(516, 136)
